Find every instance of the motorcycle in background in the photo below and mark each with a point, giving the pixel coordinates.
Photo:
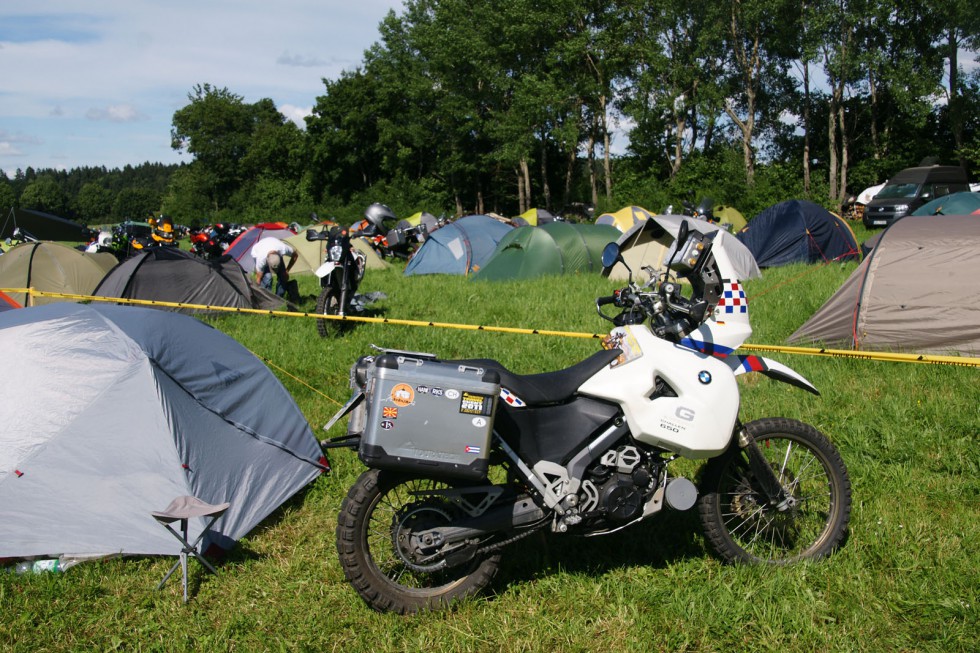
(466, 457)
(211, 242)
(340, 274)
(378, 221)
(406, 238)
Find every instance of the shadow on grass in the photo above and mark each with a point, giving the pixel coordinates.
(656, 543)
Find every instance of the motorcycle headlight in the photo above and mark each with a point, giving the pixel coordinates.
(335, 252)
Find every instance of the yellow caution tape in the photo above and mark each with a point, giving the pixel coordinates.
(962, 361)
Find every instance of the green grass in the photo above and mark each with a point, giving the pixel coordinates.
(907, 579)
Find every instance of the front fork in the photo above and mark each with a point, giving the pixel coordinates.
(768, 478)
(338, 279)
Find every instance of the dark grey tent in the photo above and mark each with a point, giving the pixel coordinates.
(42, 226)
(117, 410)
(168, 274)
(916, 291)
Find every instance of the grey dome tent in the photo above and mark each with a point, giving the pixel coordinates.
(460, 247)
(117, 410)
(168, 274)
(916, 291)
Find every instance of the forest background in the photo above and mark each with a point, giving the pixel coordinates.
(572, 106)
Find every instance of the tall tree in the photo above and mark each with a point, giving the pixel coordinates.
(760, 43)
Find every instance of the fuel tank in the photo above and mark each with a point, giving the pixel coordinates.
(672, 396)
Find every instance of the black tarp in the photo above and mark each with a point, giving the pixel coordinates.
(42, 226)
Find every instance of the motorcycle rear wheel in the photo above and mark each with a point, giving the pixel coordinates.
(328, 303)
(376, 516)
(736, 517)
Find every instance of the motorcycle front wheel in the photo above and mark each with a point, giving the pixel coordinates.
(375, 540)
(737, 517)
(328, 303)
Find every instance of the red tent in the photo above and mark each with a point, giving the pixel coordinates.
(241, 247)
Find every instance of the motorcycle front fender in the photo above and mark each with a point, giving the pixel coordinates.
(325, 270)
(741, 364)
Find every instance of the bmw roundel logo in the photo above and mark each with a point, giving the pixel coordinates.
(704, 377)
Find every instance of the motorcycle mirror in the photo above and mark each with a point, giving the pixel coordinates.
(312, 234)
(611, 255)
(682, 232)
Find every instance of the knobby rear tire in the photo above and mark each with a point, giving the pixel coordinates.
(375, 505)
(739, 523)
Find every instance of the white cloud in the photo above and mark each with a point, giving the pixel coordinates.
(9, 149)
(296, 114)
(116, 113)
(287, 59)
(70, 67)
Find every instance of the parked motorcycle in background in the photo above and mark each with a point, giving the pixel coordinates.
(341, 273)
(467, 457)
(378, 221)
(406, 238)
(211, 242)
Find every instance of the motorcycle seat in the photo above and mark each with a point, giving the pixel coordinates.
(546, 387)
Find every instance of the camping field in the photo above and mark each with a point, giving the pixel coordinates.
(908, 578)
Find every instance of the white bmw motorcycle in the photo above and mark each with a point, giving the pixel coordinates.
(467, 457)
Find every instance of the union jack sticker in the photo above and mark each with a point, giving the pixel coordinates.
(511, 398)
(733, 299)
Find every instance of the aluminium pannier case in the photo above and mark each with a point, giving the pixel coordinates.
(429, 416)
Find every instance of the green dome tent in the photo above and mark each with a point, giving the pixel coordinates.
(952, 204)
(52, 267)
(555, 248)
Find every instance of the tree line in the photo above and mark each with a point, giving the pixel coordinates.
(473, 106)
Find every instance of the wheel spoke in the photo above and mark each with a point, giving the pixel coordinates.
(743, 525)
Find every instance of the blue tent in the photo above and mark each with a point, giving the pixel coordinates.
(460, 247)
(797, 231)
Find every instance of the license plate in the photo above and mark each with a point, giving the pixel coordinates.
(877, 223)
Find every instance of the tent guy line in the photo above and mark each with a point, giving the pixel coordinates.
(929, 359)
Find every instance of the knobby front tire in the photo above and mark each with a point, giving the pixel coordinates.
(328, 303)
(376, 518)
(738, 520)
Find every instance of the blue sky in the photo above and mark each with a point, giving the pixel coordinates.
(97, 83)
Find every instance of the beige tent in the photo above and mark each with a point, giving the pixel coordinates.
(310, 253)
(649, 243)
(916, 291)
(51, 267)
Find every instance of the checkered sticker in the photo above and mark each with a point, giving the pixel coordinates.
(733, 299)
(511, 398)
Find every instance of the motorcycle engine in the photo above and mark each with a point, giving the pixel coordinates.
(618, 485)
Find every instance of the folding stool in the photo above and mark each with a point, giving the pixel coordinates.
(183, 509)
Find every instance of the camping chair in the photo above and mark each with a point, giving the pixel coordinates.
(182, 509)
